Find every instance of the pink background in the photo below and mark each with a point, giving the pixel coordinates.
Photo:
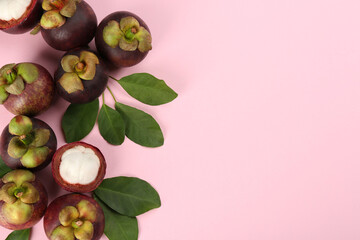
(263, 140)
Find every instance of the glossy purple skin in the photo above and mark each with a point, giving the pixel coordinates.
(92, 88)
(15, 163)
(51, 218)
(39, 209)
(36, 97)
(78, 30)
(25, 23)
(116, 56)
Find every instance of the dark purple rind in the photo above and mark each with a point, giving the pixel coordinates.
(39, 209)
(36, 97)
(15, 163)
(51, 218)
(77, 31)
(26, 23)
(92, 88)
(55, 165)
(116, 56)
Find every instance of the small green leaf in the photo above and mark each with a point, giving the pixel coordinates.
(19, 235)
(111, 125)
(147, 89)
(117, 226)
(129, 196)
(4, 169)
(79, 120)
(141, 127)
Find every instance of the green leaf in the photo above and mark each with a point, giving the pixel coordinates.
(79, 120)
(129, 196)
(117, 226)
(147, 89)
(19, 235)
(141, 127)
(111, 125)
(4, 169)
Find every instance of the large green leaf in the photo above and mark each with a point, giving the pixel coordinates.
(19, 235)
(129, 196)
(111, 125)
(140, 127)
(79, 120)
(117, 226)
(4, 169)
(147, 89)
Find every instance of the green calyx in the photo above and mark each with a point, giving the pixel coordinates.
(28, 143)
(18, 195)
(128, 35)
(56, 12)
(76, 222)
(78, 69)
(14, 77)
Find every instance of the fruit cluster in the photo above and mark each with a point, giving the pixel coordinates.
(28, 144)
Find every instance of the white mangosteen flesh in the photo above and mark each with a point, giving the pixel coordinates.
(79, 165)
(13, 9)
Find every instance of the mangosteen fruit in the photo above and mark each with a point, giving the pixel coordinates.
(74, 216)
(23, 200)
(26, 88)
(19, 16)
(78, 167)
(80, 76)
(27, 143)
(123, 39)
(67, 24)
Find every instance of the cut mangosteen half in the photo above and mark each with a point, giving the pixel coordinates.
(78, 167)
(19, 16)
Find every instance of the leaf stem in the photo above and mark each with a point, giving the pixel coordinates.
(112, 77)
(112, 94)
(103, 97)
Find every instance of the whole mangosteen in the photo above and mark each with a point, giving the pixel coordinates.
(27, 143)
(74, 216)
(67, 24)
(123, 39)
(23, 200)
(19, 16)
(78, 167)
(80, 76)
(26, 88)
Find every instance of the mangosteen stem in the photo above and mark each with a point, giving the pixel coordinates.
(79, 67)
(130, 33)
(18, 192)
(77, 223)
(36, 29)
(27, 138)
(112, 94)
(10, 76)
